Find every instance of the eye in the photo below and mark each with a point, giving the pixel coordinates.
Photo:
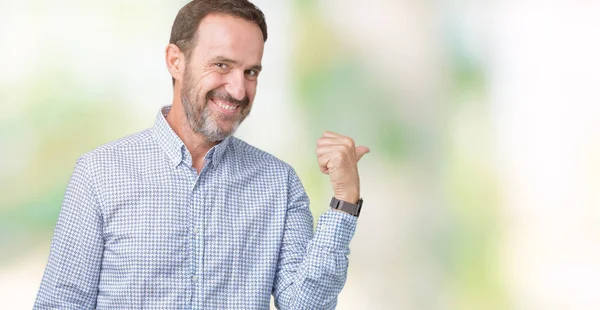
(252, 74)
(220, 65)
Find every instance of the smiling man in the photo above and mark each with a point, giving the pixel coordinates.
(186, 216)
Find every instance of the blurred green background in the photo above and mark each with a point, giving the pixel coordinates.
(481, 188)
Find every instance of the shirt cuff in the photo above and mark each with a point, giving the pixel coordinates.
(335, 229)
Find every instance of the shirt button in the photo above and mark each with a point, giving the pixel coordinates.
(195, 278)
(196, 230)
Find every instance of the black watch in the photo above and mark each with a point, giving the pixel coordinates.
(347, 207)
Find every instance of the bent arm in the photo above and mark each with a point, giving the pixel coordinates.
(312, 269)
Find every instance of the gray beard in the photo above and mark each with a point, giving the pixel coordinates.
(209, 127)
(201, 118)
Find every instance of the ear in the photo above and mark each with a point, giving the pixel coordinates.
(175, 61)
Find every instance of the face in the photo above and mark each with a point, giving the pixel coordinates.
(220, 77)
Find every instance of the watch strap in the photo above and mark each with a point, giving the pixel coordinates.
(351, 208)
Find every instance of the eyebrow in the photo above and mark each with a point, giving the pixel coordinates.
(257, 67)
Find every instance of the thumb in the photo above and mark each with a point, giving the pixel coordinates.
(361, 151)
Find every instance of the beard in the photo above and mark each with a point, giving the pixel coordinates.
(205, 121)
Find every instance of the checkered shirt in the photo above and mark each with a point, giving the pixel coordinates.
(140, 228)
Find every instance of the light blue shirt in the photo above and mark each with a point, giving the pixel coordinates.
(140, 228)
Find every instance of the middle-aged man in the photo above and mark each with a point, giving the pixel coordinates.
(185, 216)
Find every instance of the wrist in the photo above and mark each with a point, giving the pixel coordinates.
(350, 198)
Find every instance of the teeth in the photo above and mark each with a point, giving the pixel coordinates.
(225, 106)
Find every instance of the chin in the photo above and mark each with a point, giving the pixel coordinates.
(229, 130)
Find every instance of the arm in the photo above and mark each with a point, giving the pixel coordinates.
(312, 270)
(71, 277)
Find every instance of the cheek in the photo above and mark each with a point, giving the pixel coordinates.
(209, 82)
(214, 79)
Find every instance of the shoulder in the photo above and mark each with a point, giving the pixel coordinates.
(261, 167)
(120, 152)
(249, 155)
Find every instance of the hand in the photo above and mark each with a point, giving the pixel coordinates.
(338, 157)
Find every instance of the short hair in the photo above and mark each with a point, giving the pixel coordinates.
(183, 32)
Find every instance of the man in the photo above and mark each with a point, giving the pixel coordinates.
(185, 216)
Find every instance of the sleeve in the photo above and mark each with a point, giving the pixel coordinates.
(71, 277)
(311, 270)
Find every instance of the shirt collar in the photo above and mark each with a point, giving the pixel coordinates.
(176, 151)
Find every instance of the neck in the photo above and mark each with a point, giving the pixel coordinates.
(193, 141)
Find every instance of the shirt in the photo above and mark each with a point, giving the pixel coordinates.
(140, 228)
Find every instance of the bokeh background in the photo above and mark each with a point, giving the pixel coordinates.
(483, 117)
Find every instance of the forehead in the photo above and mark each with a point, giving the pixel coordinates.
(229, 36)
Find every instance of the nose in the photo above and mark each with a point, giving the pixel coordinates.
(236, 86)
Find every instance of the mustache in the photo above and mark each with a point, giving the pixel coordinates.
(223, 95)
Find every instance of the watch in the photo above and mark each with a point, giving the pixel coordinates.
(347, 207)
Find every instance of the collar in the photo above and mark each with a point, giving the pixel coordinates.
(174, 148)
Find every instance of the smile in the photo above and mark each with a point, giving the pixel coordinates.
(226, 107)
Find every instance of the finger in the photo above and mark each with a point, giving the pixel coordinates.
(361, 151)
(327, 141)
(324, 169)
(331, 134)
(333, 152)
(334, 138)
(326, 149)
(323, 161)
(334, 141)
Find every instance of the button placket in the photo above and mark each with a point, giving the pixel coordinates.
(199, 206)
(195, 268)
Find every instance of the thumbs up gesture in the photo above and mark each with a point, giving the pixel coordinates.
(338, 157)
